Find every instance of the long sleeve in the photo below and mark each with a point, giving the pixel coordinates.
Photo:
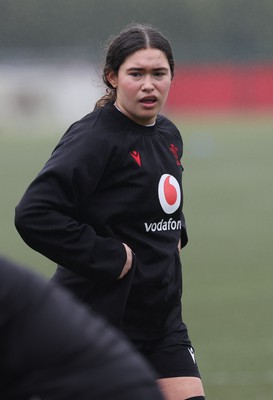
(48, 216)
(184, 234)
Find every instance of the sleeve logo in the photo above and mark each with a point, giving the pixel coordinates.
(174, 150)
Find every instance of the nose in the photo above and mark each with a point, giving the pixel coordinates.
(147, 85)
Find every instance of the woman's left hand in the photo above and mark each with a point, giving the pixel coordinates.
(129, 261)
(179, 246)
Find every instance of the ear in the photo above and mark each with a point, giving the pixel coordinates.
(112, 79)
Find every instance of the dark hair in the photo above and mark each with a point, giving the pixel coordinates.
(132, 38)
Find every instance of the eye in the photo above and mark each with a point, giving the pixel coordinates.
(159, 74)
(135, 74)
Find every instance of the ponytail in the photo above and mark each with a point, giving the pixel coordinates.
(109, 97)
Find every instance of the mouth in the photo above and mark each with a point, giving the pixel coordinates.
(148, 100)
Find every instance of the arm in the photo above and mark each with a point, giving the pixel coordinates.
(47, 217)
(184, 236)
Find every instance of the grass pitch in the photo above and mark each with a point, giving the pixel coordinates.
(228, 274)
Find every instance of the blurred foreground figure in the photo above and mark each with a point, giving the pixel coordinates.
(52, 348)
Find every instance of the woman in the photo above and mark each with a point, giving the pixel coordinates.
(107, 208)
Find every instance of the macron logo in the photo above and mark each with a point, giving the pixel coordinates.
(191, 351)
(136, 156)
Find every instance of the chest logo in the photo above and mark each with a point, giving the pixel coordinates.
(169, 193)
(136, 156)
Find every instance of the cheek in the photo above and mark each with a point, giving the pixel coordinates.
(127, 89)
(165, 88)
(131, 87)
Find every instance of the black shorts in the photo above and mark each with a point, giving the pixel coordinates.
(171, 356)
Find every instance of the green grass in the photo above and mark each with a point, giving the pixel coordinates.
(21, 158)
(227, 264)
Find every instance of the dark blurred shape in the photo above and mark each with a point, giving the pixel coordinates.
(52, 348)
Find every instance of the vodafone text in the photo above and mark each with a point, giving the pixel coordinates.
(169, 225)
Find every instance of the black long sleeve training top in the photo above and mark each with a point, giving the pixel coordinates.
(111, 181)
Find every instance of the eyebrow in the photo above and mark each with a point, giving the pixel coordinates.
(142, 69)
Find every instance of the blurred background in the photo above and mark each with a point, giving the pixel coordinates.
(51, 55)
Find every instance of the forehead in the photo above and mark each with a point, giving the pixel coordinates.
(146, 58)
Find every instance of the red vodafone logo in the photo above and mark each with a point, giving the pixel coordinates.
(169, 193)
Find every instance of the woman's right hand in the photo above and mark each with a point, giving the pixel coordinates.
(128, 263)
